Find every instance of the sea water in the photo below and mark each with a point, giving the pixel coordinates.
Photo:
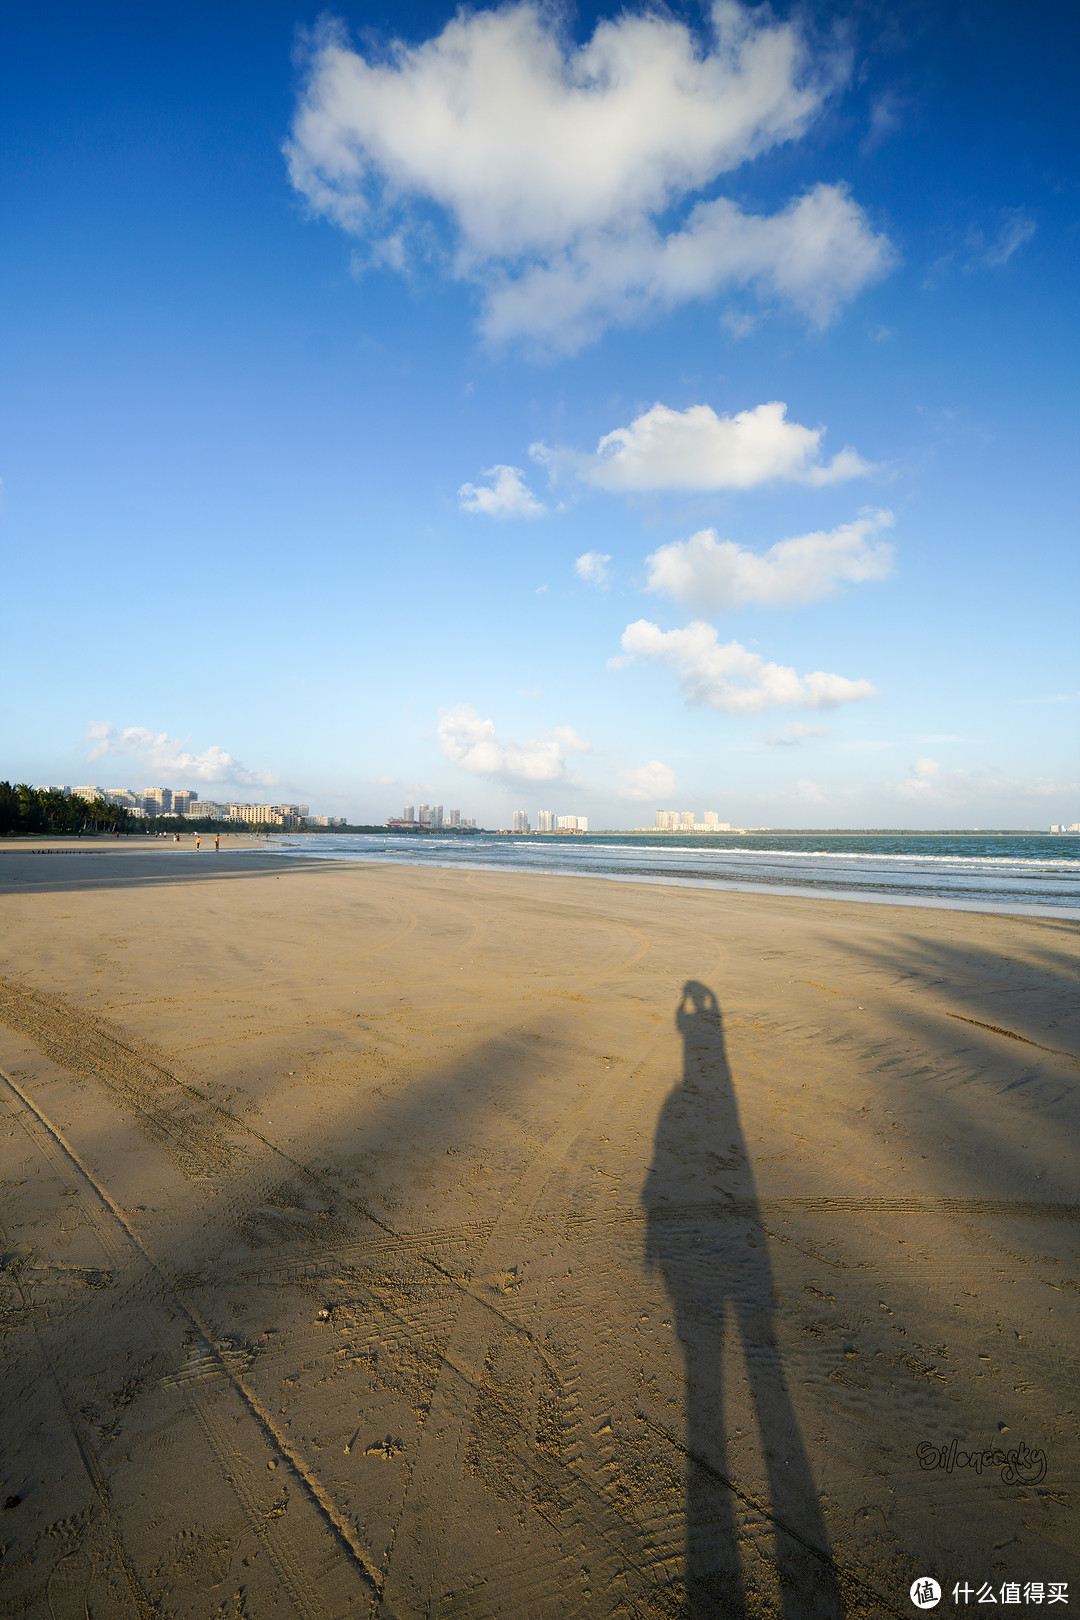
(1020, 872)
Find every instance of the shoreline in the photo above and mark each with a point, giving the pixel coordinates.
(733, 885)
(247, 843)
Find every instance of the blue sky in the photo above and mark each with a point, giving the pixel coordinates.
(282, 295)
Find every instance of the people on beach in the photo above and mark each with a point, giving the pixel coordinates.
(217, 840)
(198, 840)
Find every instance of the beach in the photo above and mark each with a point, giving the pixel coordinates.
(405, 1241)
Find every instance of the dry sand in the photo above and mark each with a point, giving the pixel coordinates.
(390, 1241)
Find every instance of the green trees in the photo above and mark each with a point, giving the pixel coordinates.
(25, 810)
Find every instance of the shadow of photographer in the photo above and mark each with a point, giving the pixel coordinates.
(704, 1234)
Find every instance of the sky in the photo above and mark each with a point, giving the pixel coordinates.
(597, 410)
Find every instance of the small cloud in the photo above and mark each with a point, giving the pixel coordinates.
(384, 781)
(698, 450)
(809, 791)
(730, 677)
(540, 589)
(1017, 228)
(923, 781)
(885, 119)
(792, 733)
(162, 755)
(506, 496)
(740, 324)
(708, 574)
(471, 743)
(881, 334)
(591, 566)
(529, 691)
(647, 783)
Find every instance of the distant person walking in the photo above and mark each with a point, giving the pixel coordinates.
(217, 840)
(198, 840)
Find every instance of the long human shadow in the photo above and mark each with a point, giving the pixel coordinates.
(719, 1279)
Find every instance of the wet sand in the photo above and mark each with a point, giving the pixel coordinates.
(390, 1241)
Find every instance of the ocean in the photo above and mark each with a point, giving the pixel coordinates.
(1027, 873)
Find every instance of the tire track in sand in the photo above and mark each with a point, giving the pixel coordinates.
(305, 1598)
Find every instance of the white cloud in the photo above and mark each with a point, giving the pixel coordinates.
(809, 791)
(729, 677)
(793, 732)
(384, 781)
(592, 567)
(697, 450)
(968, 793)
(506, 496)
(165, 756)
(648, 782)
(708, 574)
(553, 163)
(470, 742)
(1017, 229)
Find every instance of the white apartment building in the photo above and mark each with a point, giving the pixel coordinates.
(521, 821)
(548, 822)
(683, 821)
(434, 815)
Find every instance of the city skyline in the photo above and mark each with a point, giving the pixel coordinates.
(675, 436)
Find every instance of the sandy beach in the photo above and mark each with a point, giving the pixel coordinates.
(398, 1242)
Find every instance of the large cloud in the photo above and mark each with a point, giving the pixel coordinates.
(696, 449)
(555, 162)
(707, 574)
(167, 757)
(470, 742)
(730, 677)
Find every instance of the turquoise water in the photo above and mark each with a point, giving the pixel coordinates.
(995, 871)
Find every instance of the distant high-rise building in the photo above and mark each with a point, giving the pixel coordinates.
(572, 823)
(521, 821)
(424, 815)
(436, 815)
(666, 820)
(452, 818)
(545, 821)
(711, 818)
(181, 799)
(157, 801)
(409, 813)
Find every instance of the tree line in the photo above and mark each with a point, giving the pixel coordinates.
(25, 810)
